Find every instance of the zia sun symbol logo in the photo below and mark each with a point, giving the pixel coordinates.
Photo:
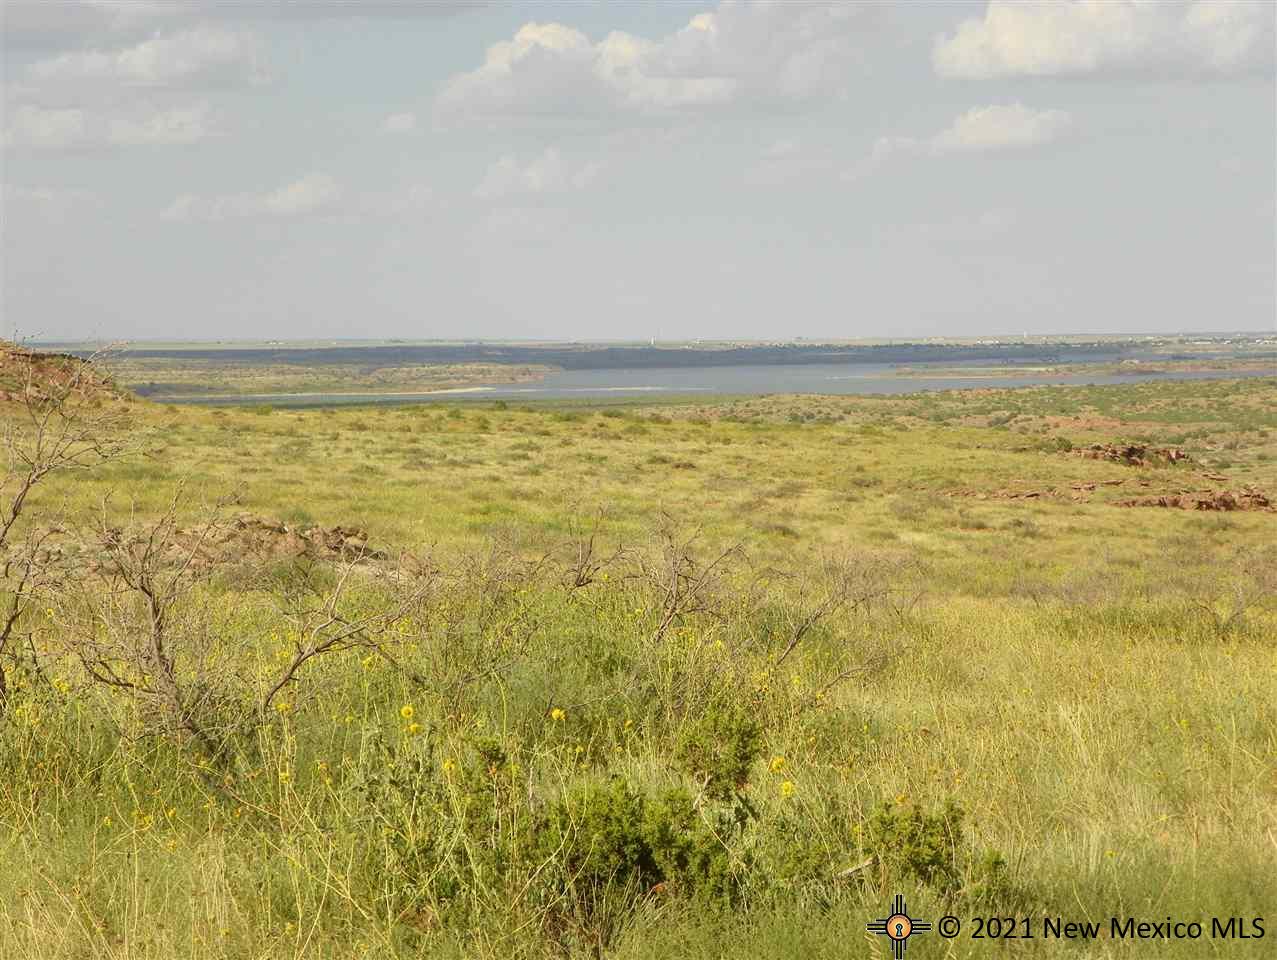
(898, 927)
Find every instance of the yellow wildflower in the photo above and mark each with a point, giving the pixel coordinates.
(557, 714)
(787, 788)
(777, 764)
(406, 711)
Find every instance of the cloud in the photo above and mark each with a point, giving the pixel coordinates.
(50, 204)
(544, 174)
(43, 24)
(313, 193)
(1000, 127)
(1080, 37)
(177, 125)
(200, 56)
(792, 159)
(400, 123)
(777, 52)
(31, 126)
(34, 127)
(995, 127)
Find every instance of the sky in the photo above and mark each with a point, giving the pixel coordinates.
(588, 170)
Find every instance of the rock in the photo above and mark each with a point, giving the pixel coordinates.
(1248, 498)
(1133, 454)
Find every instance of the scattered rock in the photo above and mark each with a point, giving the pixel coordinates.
(1005, 494)
(263, 538)
(1091, 485)
(1133, 454)
(227, 543)
(1248, 498)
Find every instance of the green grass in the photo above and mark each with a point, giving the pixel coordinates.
(1046, 664)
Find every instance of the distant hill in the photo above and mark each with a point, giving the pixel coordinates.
(595, 357)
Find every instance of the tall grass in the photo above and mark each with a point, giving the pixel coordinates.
(1109, 748)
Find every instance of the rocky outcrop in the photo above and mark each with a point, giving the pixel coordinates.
(1133, 454)
(1248, 498)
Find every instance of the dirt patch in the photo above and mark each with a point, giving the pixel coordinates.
(1133, 454)
(1248, 498)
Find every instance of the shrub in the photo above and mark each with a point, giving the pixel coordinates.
(610, 835)
(719, 749)
(913, 844)
(929, 848)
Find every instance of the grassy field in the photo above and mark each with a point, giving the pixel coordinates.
(176, 376)
(1223, 366)
(656, 681)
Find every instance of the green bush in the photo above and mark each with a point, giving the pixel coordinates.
(912, 844)
(718, 750)
(929, 848)
(611, 835)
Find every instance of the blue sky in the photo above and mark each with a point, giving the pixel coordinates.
(626, 170)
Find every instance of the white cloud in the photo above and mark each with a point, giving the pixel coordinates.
(41, 23)
(546, 173)
(313, 193)
(34, 127)
(203, 55)
(177, 125)
(995, 127)
(1074, 37)
(67, 23)
(31, 126)
(760, 51)
(399, 123)
(999, 127)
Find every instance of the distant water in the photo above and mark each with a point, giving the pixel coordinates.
(842, 379)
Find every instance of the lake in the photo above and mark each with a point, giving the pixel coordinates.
(836, 379)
